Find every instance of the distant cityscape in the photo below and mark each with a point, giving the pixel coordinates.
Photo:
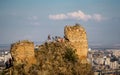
(106, 61)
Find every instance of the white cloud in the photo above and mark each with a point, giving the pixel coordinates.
(77, 15)
(33, 18)
(97, 17)
(58, 17)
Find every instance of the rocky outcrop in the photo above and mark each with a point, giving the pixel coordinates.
(23, 53)
(76, 36)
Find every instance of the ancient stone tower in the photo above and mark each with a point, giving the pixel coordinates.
(76, 35)
(23, 52)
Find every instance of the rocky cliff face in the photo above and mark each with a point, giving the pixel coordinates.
(23, 52)
(76, 35)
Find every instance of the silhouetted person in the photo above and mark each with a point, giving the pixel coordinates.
(49, 38)
(66, 38)
(56, 38)
(10, 62)
(7, 64)
(53, 38)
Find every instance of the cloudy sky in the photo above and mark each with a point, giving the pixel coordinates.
(35, 19)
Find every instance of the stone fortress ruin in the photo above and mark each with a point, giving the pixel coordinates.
(61, 51)
(23, 51)
(76, 35)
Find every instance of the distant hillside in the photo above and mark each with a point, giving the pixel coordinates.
(4, 45)
(104, 47)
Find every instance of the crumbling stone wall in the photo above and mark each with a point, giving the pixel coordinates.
(76, 35)
(23, 53)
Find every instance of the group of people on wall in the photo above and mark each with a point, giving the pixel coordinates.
(56, 38)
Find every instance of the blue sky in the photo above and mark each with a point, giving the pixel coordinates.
(35, 19)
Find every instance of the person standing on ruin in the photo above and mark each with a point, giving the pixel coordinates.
(49, 38)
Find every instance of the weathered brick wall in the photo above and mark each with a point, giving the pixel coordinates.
(76, 35)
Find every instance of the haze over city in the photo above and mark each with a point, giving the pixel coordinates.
(36, 19)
